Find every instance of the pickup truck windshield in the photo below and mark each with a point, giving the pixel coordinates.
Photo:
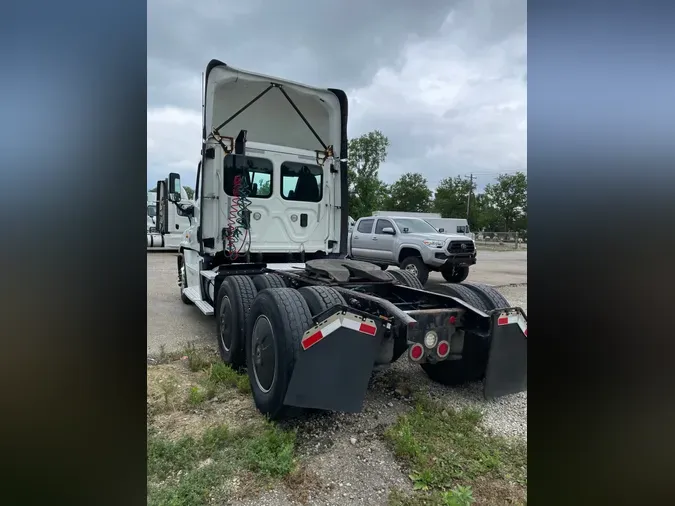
(415, 226)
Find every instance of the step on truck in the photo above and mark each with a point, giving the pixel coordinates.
(265, 256)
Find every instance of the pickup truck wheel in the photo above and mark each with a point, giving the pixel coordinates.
(321, 298)
(182, 280)
(416, 267)
(456, 273)
(233, 303)
(278, 319)
(269, 280)
(406, 278)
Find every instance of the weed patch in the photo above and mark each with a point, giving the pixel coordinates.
(447, 452)
(193, 470)
(223, 374)
(198, 359)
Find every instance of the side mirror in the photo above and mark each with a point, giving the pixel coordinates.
(388, 230)
(441, 230)
(174, 187)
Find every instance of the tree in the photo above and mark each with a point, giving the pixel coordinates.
(451, 199)
(507, 200)
(366, 191)
(410, 193)
(190, 192)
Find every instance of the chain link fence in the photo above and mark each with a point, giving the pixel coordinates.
(500, 240)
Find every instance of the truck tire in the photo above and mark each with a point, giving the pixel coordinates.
(182, 279)
(453, 372)
(406, 278)
(416, 267)
(467, 295)
(456, 274)
(321, 298)
(493, 299)
(269, 280)
(233, 303)
(471, 367)
(278, 319)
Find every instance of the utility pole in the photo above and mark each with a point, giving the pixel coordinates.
(468, 198)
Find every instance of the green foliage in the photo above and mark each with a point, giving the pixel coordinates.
(505, 202)
(197, 396)
(189, 471)
(410, 193)
(459, 496)
(366, 191)
(222, 374)
(190, 192)
(447, 450)
(451, 199)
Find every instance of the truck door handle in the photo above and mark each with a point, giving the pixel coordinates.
(374, 238)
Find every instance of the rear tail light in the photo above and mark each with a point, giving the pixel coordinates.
(452, 320)
(416, 352)
(443, 349)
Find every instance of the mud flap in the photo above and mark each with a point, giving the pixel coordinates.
(506, 371)
(335, 363)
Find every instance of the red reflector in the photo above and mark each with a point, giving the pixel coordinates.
(452, 320)
(503, 320)
(368, 329)
(525, 332)
(416, 351)
(312, 340)
(443, 349)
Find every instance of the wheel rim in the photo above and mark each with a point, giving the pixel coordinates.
(411, 268)
(225, 312)
(183, 284)
(263, 354)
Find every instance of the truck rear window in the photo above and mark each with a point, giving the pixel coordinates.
(301, 182)
(256, 171)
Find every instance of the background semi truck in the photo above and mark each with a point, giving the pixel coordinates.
(265, 252)
(173, 228)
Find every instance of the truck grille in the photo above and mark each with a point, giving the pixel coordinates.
(460, 247)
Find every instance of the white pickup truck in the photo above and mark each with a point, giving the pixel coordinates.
(412, 244)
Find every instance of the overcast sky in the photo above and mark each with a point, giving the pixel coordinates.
(445, 82)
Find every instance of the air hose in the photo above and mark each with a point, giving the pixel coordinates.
(237, 222)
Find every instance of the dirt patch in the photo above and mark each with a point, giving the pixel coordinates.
(171, 413)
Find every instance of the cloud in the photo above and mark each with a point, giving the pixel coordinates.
(174, 143)
(447, 83)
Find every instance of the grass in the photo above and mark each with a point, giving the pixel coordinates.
(222, 374)
(192, 470)
(453, 461)
(202, 463)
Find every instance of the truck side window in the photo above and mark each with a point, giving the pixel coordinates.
(256, 171)
(382, 224)
(301, 182)
(365, 227)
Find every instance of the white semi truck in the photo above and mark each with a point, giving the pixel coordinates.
(172, 230)
(265, 255)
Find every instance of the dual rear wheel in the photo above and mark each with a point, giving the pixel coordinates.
(261, 327)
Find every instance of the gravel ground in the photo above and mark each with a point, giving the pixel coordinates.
(346, 452)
